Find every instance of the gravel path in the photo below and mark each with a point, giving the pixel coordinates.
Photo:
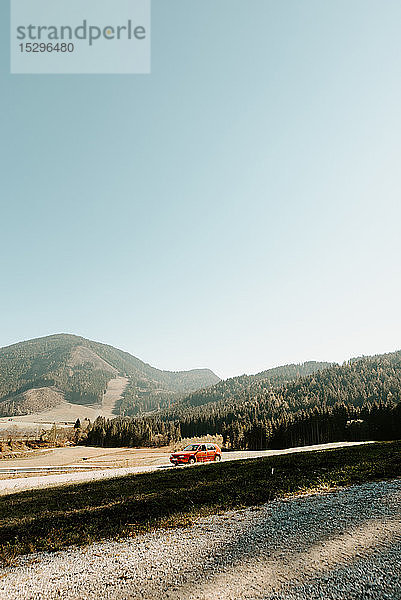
(344, 545)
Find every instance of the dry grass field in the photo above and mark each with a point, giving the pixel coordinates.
(91, 457)
(66, 412)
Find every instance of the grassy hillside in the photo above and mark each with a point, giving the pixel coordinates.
(81, 514)
(79, 370)
(34, 400)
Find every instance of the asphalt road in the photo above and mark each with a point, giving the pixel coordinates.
(82, 473)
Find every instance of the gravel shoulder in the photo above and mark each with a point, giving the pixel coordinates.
(336, 546)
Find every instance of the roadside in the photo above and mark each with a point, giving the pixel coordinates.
(53, 519)
(346, 544)
(111, 462)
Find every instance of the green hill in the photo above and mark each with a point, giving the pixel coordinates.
(78, 370)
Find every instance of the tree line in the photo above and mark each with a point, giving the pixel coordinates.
(359, 400)
(127, 431)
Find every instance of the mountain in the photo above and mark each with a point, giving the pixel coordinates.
(236, 389)
(39, 374)
(227, 392)
(357, 400)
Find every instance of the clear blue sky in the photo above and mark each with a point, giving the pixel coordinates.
(239, 208)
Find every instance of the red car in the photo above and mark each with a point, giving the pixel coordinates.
(200, 452)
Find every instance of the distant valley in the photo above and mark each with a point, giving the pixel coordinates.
(63, 376)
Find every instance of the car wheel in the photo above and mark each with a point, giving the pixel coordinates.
(217, 458)
(191, 460)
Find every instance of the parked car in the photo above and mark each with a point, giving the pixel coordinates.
(199, 452)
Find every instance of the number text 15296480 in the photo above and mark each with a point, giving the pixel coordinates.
(36, 47)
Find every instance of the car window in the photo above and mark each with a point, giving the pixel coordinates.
(210, 447)
(203, 448)
(192, 447)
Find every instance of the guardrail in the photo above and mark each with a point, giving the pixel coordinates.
(58, 469)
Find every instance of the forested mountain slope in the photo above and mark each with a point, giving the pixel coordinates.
(358, 400)
(358, 384)
(237, 389)
(78, 370)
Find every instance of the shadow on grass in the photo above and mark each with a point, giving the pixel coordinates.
(54, 518)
